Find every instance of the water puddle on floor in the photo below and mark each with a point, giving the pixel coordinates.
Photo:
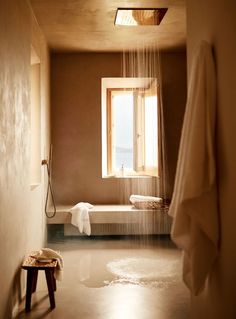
(145, 272)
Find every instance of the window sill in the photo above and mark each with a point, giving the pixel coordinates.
(128, 176)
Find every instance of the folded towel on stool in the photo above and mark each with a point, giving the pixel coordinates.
(48, 254)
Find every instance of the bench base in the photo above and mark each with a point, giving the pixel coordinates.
(117, 220)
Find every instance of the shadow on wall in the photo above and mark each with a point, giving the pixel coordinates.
(15, 294)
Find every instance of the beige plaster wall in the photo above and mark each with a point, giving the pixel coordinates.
(215, 21)
(76, 126)
(174, 82)
(22, 223)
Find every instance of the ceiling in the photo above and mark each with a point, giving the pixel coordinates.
(88, 25)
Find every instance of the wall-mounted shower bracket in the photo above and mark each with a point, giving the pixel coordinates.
(44, 162)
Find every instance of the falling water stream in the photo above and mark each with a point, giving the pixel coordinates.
(141, 268)
(145, 64)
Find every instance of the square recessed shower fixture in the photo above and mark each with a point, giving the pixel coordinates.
(139, 16)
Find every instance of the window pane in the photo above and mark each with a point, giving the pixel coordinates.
(151, 131)
(122, 129)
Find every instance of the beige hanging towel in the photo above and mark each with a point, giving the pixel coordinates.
(194, 203)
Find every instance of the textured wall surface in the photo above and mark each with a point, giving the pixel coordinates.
(21, 215)
(76, 125)
(215, 21)
(174, 82)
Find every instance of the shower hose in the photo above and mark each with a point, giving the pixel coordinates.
(49, 191)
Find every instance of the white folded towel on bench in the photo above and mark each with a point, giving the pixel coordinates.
(80, 217)
(140, 198)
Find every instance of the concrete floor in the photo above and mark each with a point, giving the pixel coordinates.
(115, 278)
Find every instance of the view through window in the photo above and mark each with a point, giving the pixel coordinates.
(132, 129)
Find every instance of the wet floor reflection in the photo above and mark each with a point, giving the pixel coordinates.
(111, 265)
(115, 278)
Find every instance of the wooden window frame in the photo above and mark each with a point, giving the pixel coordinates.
(109, 134)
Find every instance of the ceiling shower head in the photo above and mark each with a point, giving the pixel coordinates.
(139, 16)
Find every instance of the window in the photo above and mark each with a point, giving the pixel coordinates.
(131, 128)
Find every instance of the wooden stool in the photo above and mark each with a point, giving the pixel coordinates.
(33, 266)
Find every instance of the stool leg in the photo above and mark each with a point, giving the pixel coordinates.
(35, 277)
(54, 282)
(49, 278)
(29, 289)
